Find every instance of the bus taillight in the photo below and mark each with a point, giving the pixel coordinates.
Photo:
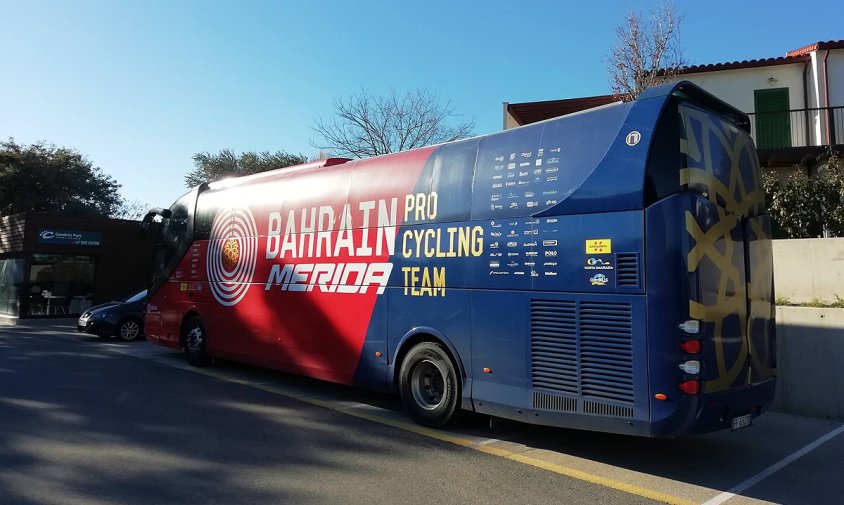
(690, 347)
(690, 387)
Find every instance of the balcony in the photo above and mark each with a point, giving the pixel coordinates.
(794, 137)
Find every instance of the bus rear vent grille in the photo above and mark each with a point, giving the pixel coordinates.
(583, 350)
(627, 270)
(606, 350)
(606, 409)
(553, 344)
(554, 402)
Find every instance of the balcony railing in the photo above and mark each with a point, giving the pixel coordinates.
(798, 128)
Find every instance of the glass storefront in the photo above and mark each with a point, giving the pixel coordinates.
(59, 284)
(11, 285)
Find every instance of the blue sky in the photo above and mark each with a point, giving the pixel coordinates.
(140, 86)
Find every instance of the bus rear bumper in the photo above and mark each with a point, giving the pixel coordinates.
(716, 411)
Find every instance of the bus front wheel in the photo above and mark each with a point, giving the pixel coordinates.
(430, 390)
(194, 343)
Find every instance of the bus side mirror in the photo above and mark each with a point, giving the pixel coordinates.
(150, 218)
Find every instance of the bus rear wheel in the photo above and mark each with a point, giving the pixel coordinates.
(430, 390)
(194, 343)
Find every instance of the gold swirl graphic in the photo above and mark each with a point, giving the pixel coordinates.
(721, 165)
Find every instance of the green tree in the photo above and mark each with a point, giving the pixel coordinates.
(808, 207)
(213, 167)
(44, 178)
(366, 125)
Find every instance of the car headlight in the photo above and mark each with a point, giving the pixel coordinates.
(98, 317)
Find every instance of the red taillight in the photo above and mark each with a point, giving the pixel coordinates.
(690, 347)
(689, 387)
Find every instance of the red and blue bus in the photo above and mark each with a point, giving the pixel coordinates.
(607, 270)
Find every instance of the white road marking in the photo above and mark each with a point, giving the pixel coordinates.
(764, 474)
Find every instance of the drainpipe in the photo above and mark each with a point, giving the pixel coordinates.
(806, 98)
(826, 97)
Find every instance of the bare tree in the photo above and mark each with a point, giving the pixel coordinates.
(646, 52)
(366, 125)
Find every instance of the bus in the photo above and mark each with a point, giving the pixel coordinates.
(607, 270)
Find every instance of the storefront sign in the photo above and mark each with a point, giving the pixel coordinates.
(65, 237)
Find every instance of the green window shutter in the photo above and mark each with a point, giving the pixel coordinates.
(773, 123)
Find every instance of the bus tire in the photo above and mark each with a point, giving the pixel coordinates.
(429, 386)
(195, 343)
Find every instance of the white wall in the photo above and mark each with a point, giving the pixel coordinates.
(836, 77)
(809, 269)
(736, 87)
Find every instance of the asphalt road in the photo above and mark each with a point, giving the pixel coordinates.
(82, 425)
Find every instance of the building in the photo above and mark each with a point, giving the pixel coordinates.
(59, 265)
(795, 102)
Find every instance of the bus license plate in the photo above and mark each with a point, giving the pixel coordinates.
(741, 421)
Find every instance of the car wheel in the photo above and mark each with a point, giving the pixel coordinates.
(194, 343)
(129, 329)
(430, 390)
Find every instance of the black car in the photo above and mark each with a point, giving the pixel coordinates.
(122, 319)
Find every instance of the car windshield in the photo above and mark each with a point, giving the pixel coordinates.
(136, 297)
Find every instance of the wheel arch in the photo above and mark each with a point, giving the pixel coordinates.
(416, 336)
(190, 314)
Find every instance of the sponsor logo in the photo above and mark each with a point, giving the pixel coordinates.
(549, 243)
(496, 177)
(550, 264)
(531, 232)
(555, 150)
(509, 183)
(512, 244)
(551, 178)
(552, 170)
(514, 205)
(498, 272)
(598, 264)
(493, 245)
(523, 174)
(495, 197)
(524, 164)
(599, 246)
(512, 195)
(499, 158)
(513, 264)
(496, 207)
(498, 167)
(527, 154)
(493, 224)
(523, 183)
(551, 220)
(533, 204)
(633, 138)
(530, 244)
(551, 253)
(511, 254)
(495, 234)
(551, 274)
(530, 263)
(549, 193)
(495, 255)
(496, 185)
(534, 274)
(532, 221)
(599, 280)
(531, 254)
(528, 194)
(518, 273)
(494, 264)
(550, 202)
(538, 163)
(511, 166)
(512, 156)
(511, 175)
(232, 255)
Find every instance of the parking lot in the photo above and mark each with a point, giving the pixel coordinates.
(779, 459)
